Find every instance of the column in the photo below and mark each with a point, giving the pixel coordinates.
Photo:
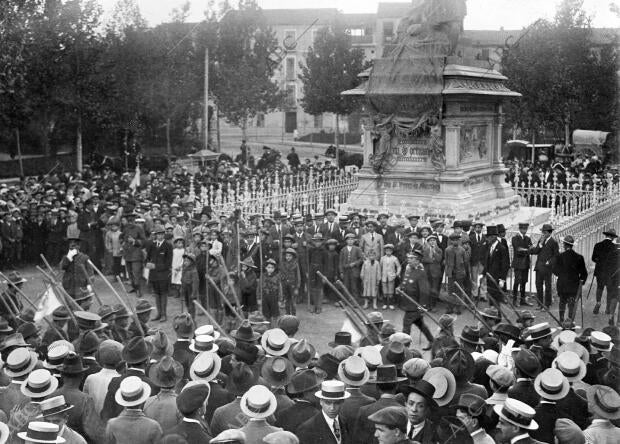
(452, 144)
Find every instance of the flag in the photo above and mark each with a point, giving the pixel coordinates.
(349, 327)
(48, 303)
(135, 182)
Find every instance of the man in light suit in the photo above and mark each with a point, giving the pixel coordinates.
(350, 264)
(372, 240)
(604, 405)
(326, 427)
(547, 250)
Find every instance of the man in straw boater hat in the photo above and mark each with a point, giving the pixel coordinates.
(206, 368)
(516, 421)
(570, 268)
(136, 354)
(605, 258)
(552, 386)
(301, 390)
(56, 410)
(132, 426)
(258, 404)
(574, 369)
(42, 432)
(17, 366)
(36, 387)
(604, 406)
(327, 426)
(162, 407)
(354, 373)
(191, 403)
(540, 338)
(84, 419)
(546, 250)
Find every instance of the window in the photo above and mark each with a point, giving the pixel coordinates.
(318, 121)
(315, 33)
(289, 40)
(291, 96)
(290, 69)
(260, 120)
(388, 31)
(356, 32)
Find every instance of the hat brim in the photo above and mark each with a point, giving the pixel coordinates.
(469, 341)
(596, 409)
(608, 233)
(272, 352)
(273, 382)
(533, 425)
(319, 395)
(583, 369)
(552, 396)
(33, 363)
(450, 381)
(217, 366)
(159, 382)
(44, 415)
(551, 331)
(608, 349)
(52, 388)
(23, 435)
(273, 404)
(146, 393)
(343, 377)
(192, 347)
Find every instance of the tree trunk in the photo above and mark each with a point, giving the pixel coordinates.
(78, 145)
(168, 146)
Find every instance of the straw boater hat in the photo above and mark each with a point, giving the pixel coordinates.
(576, 348)
(54, 406)
(20, 362)
(603, 401)
(275, 342)
(517, 413)
(132, 392)
(444, 382)
(203, 343)
(571, 366)
(539, 331)
(42, 432)
(258, 402)
(277, 371)
(353, 371)
(207, 329)
(56, 353)
(600, 341)
(205, 367)
(332, 390)
(4, 433)
(551, 384)
(39, 384)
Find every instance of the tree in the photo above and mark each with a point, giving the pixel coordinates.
(332, 66)
(563, 81)
(242, 76)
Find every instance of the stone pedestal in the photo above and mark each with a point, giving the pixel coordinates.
(470, 183)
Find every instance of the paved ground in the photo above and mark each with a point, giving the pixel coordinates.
(320, 329)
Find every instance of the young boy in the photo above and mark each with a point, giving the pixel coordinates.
(390, 269)
(189, 283)
(272, 290)
(371, 277)
(331, 268)
(247, 285)
(177, 266)
(457, 263)
(291, 279)
(113, 246)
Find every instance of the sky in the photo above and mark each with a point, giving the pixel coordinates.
(481, 14)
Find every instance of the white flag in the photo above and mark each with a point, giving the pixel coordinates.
(349, 327)
(48, 303)
(135, 182)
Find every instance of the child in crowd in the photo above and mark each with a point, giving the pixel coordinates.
(272, 291)
(371, 278)
(289, 272)
(113, 247)
(390, 269)
(178, 252)
(189, 283)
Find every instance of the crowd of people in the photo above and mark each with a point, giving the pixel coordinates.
(112, 375)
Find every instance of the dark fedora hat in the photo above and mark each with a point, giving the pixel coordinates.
(303, 381)
(137, 350)
(460, 363)
(340, 338)
(240, 379)
(72, 365)
(471, 335)
(388, 373)
(492, 230)
(395, 353)
(527, 362)
(329, 364)
(166, 373)
(301, 353)
(611, 232)
(183, 325)
(508, 330)
(245, 352)
(88, 343)
(423, 388)
(246, 333)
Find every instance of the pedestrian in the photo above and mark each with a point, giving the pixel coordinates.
(159, 263)
(371, 279)
(317, 262)
(189, 283)
(570, 268)
(603, 256)
(291, 280)
(521, 245)
(390, 271)
(546, 251)
(271, 285)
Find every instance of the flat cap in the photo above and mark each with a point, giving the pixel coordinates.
(192, 398)
(500, 375)
(393, 417)
(415, 368)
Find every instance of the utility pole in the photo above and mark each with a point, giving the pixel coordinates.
(206, 98)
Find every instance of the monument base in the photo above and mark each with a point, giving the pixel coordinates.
(480, 194)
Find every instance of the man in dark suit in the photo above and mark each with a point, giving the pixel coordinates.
(547, 250)
(184, 329)
(516, 421)
(604, 258)
(326, 427)
(521, 244)
(419, 405)
(552, 386)
(570, 268)
(159, 263)
(190, 403)
(477, 260)
(350, 264)
(330, 229)
(137, 355)
(496, 263)
(354, 373)
(90, 226)
(301, 390)
(527, 367)
(388, 233)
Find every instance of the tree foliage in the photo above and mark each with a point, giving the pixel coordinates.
(242, 74)
(565, 78)
(332, 66)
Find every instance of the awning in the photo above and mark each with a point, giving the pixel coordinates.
(205, 154)
(589, 141)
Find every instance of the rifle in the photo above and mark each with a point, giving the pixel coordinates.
(120, 281)
(420, 307)
(472, 309)
(211, 319)
(224, 298)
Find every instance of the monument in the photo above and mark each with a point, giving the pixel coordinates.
(433, 125)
